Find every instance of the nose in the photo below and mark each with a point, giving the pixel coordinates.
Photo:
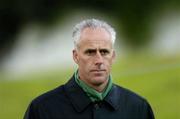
(98, 58)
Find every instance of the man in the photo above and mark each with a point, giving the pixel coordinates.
(90, 93)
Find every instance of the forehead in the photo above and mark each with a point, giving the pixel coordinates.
(95, 33)
(95, 37)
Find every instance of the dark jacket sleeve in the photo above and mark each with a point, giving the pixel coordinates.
(31, 112)
(148, 113)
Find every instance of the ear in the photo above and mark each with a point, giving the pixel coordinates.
(113, 56)
(75, 56)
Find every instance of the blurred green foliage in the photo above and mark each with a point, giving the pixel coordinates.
(134, 17)
(156, 79)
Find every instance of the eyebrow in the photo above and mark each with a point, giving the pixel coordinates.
(94, 50)
(90, 49)
(104, 50)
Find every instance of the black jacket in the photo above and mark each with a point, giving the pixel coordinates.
(69, 101)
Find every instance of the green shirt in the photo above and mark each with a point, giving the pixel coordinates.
(92, 93)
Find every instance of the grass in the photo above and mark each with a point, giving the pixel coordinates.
(156, 79)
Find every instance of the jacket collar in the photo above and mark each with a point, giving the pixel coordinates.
(77, 96)
(114, 97)
(80, 100)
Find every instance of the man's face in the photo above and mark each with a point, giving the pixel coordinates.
(94, 56)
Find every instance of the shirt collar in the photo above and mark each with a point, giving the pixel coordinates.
(92, 93)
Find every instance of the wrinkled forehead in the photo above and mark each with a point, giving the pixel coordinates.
(95, 44)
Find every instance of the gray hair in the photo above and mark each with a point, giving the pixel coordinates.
(92, 23)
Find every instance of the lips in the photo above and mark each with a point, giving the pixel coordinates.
(95, 70)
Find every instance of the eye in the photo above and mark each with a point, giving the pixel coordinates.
(104, 52)
(90, 52)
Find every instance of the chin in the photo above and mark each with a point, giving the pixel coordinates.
(99, 80)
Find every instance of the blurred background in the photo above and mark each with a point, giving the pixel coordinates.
(36, 49)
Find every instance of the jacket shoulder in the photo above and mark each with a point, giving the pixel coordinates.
(50, 96)
(48, 100)
(133, 102)
(129, 95)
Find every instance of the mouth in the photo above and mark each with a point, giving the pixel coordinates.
(98, 71)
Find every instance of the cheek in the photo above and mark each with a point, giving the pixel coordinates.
(108, 61)
(85, 63)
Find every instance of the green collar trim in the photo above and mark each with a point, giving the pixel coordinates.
(92, 93)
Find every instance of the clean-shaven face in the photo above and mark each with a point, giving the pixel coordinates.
(94, 56)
